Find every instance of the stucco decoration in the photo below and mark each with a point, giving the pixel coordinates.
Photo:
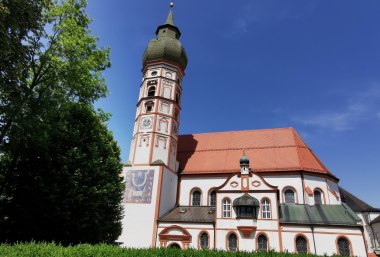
(139, 185)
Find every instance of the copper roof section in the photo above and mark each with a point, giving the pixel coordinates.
(269, 150)
(190, 214)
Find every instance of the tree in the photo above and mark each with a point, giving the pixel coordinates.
(67, 189)
(59, 165)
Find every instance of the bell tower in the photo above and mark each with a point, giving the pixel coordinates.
(151, 173)
(157, 120)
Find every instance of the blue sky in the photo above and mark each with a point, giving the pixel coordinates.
(311, 65)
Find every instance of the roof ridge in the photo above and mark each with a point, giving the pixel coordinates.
(257, 170)
(242, 148)
(232, 131)
(345, 192)
(298, 152)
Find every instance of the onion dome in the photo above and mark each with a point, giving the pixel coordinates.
(244, 160)
(166, 45)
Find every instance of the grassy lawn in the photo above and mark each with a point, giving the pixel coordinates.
(53, 250)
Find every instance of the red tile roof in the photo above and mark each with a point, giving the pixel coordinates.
(268, 150)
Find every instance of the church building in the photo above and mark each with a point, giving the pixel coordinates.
(235, 191)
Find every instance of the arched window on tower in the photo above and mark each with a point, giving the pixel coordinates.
(212, 198)
(149, 106)
(344, 247)
(177, 97)
(196, 198)
(317, 197)
(262, 243)
(301, 244)
(232, 242)
(152, 91)
(265, 208)
(289, 196)
(203, 240)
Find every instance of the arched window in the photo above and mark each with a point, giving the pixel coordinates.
(232, 242)
(149, 106)
(262, 243)
(301, 244)
(196, 198)
(152, 91)
(212, 198)
(203, 240)
(289, 196)
(226, 208)
(317, 197)
(177, 97)
(344, 247)
(265, 207)
(174, 246)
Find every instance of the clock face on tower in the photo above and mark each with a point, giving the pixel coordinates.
(146, 123)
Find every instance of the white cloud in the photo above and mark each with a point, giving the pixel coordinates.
(360, 107)
(269, 11)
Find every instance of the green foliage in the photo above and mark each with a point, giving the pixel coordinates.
(52, 250)
(59, 165)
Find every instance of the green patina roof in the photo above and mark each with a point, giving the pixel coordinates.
(244, 160)
(318, 214)
(166, 45)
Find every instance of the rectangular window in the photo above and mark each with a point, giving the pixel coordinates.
(226, 210)
(246, 212)
(266, 210)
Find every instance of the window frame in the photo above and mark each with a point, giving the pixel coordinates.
(294, 194)
(225, 210)
(263, 211)
(228, 241)
(246, 212)
(349, 245)
(192, 196)
(211, 191)
(257, 241)
(307, 243)
(150, 90)
(200, 240)
(149, 104)
(323, 200)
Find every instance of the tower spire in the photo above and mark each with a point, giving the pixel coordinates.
(169, 19)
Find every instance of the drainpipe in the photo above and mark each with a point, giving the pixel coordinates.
(365, 241)
(312, 229)
(303, 188)
(312, 232)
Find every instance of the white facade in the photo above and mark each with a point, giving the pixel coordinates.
(244, 210)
